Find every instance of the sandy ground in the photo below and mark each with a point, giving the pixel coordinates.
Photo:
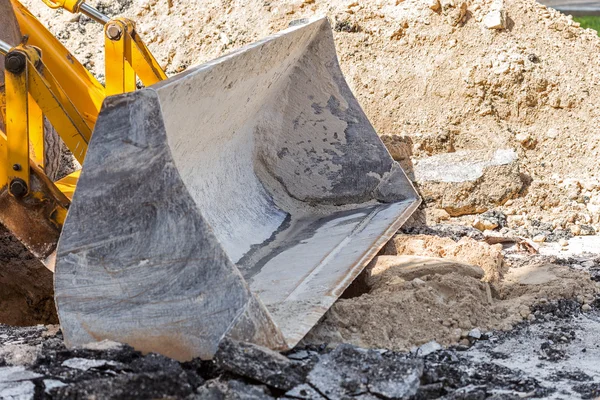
(397, 310)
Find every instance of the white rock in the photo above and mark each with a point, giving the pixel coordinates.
(418, 281)
(460, 166)
(586, 307)
(15, 383)
(15, 374)
(563, 242)
(539, 238)
(52, 384)
(475, 333)
(85, 364)
(22, 390)
(495, 19)
(428, 348)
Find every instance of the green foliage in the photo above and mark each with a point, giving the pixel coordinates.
(589, 22)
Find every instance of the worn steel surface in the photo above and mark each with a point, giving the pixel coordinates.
(239, 198)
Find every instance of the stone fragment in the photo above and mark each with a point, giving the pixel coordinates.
(15, 383)
(484, 224)
(495, 19)
(468, 182)
(563, 242)
(51, 330)
(475, 333)
(156, 363)
(350, 371)
(586, 230)
(434, 143)
(588, 264)
(50, 384)
(436, 215)
(16, 374)
(454, 11)
(299, 355)
(586, 307)
(260, 364)
(428, 348)
(539, 238)
(85, 364)
(19, 354)
(524, 312)
(525, 140)
(400, 148)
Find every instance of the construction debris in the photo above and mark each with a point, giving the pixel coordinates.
(469, 182)
(260, 364)
(554, 353)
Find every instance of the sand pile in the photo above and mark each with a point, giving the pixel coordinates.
(403, 308)
(457, 76)
(466, 250)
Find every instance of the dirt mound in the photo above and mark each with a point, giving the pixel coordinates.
(399, 314)
(466, 250)
(441, 78)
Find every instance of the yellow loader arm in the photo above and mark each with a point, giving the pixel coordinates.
(44, 80)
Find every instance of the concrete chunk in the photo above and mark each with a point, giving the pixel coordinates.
(259, 363)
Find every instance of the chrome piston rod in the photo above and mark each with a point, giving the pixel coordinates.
(4, 47)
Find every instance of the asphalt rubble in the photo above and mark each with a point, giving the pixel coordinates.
(35, 364)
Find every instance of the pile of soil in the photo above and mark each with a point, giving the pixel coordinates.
(398, 313)
(440, 79)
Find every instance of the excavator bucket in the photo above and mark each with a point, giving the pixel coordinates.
(237, 199)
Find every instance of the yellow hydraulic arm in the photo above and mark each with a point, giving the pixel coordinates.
(43, 79)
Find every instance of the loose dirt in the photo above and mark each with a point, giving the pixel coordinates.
(26, 292)
(396, 312)
(440, 79)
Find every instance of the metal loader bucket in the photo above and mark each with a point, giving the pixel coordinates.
(239, 199)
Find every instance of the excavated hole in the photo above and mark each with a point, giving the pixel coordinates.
(26, 285)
